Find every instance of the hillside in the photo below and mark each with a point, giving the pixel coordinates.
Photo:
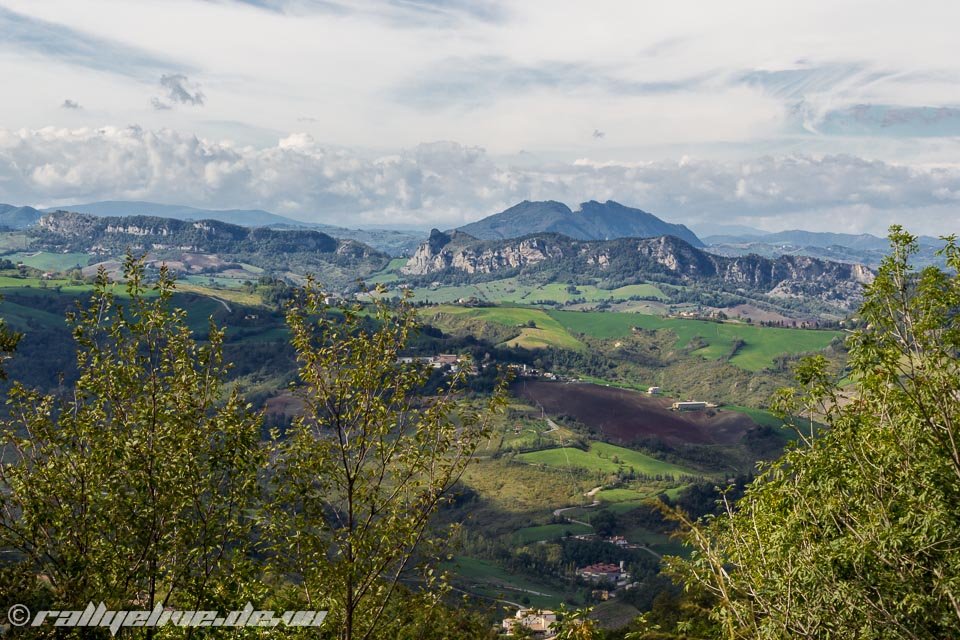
(338, 262)
(840, 247)
(592, 221)
(457, 257)
(14, 217)
(386, 240)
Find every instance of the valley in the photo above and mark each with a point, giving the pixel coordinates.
(566, 478)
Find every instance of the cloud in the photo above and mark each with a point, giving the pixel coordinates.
(180, 90)
(446, 184)
(27, 34)
(891, 120)
(402, 13)
(482, 80)
(70, 104)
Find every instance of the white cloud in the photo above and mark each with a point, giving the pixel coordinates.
(536, 75)
(446, 184)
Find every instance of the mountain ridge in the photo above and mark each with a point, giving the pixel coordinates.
(458, 257)
(393, 241)
(281, 251)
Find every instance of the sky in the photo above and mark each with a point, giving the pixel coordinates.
(835, 115)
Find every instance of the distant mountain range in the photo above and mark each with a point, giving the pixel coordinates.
(14, 217)
(456, 258)
(242, 217)
(842, 247)
(592, 221)
(391, 241)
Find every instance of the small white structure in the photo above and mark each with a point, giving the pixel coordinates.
(654, 391)
(689, 406)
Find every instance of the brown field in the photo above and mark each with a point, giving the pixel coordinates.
(284, 404)
(626, 416)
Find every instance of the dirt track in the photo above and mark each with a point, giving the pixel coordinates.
(629, 415)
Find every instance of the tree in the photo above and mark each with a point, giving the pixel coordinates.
(362, 470)
(135, 487)
(855, 532)
(576, 624)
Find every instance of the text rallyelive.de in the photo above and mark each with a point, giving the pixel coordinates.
(99, 616)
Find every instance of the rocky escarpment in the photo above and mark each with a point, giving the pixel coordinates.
(77, 231)
(440, 253)
(457, 256)
(336, 263)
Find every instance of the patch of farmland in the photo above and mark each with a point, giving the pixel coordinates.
(627, 416)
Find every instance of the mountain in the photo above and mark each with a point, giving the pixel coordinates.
(456, 257)
(393, 242)
(14, 217)
(592, 221)
(842, 247)
(242, 217)
(338, 262)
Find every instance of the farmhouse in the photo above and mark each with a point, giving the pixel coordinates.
(688, 406)
(539, 621)
(604, 572)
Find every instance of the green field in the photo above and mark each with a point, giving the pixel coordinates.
(561, 328)
(51, 261)
(546, 332)
(220, 281)
(388, 274)
(487, 579)
(600, 457)
(40, 287)
(549, 532)
(762, 344)
(510, 290)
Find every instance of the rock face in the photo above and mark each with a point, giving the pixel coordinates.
(63, 230)
(592, 221)
(436, 254)
(454, 255)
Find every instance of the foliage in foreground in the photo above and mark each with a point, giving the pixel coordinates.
(855, 532)
(147, 484)
(134, 486)
(367, 464)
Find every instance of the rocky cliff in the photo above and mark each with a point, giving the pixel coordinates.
(456, 255)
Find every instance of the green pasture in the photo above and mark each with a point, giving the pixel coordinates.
(490, 580)
(510, 290)
(51, 261)
(545, 332)
(549, 532)
(601, 457)
(762, 344)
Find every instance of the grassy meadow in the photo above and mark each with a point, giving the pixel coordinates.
(605, 458)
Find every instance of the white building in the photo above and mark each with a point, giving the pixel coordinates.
(540, 621)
